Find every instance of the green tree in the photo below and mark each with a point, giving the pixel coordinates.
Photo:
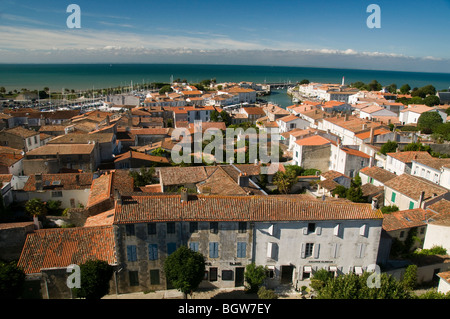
(389, 147)
(392, 88)
(428, 120)
(351, 286)
(304, 81)
(95, 279)
(389, 209)
(54, 207)
(405, 88)
(416, 147)
(165, 89)
(320, 279)
(12, 280)
(285, 180)
(35, 207)
(431, 100)
(254, 276)
(410, 277)
(434, 294)
(374, 85)
(143, 177)
(340, 190)
(264, 293)
(185, 269)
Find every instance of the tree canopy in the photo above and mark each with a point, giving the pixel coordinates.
(428, 121)
(12, 280)
(36, 207)
(143, 177)
(185, 269)
(389, 147)
(254, 276)
(94, 281)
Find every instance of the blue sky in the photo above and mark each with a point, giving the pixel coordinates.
(413, 34)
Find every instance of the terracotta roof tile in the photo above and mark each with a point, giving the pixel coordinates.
(406, 219)
(378, 173)
(412, 186)
(60, 181)
(140, 209)
(55, 248)
(407, 157)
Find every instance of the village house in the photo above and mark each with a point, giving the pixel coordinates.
(52, 158)
(411, 114)
(376, 112)
(237, 234)
(401, 162)
(438, 228)
(329, 180)
(399, 224)
(20, 138)
(375, 175)
(408, 192)
(312, 152)
(431, 169)
(252, 113)
(347, 160)
(290, 122)
(71, 189)
(132, 159)
(11, 161)
(106, 143)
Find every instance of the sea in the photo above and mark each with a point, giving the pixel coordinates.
(95, 76)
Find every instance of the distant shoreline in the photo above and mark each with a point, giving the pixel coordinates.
(95, 75)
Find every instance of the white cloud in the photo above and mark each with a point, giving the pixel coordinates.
(22, 44)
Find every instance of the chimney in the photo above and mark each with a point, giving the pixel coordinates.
(184, 195)
(38, 181)
(421, 199)
(243, 180)
(118, 197)
(346, 117)
(371, 135)
(77, 178)
(374, 203)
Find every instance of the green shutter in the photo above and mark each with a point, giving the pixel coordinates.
(411, 205)
(393, 197)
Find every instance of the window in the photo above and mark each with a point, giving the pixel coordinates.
(393, 197)
(271, 272)
(371, 180)
(311, 227)
(152, 252)
(193, 246)
(242, 227)
(214, 250)
(129, 230)
(213, 274)
(171, 247)
(271, 250)
(131, 253)
(57, 194)
(151, 229)
(241, 249)
(214, 227)
(402, 234)
(171, 228)
(307, 250)
(193, 227)
(134, 278)
(154, 277)
(227, 275)
(35, 139)
(422, 230)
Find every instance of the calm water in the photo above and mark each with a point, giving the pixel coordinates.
(88, 76)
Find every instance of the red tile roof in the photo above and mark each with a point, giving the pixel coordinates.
(60, 181)
(407, 157)
(141, 209)
(62, 247)
(406, 219)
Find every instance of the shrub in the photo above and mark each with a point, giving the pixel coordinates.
(264, 293)
(254, 276)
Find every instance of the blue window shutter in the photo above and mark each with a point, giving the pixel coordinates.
(213, 250)
(193, 246)
(153, 252)
(241, 249)
(131, 253)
